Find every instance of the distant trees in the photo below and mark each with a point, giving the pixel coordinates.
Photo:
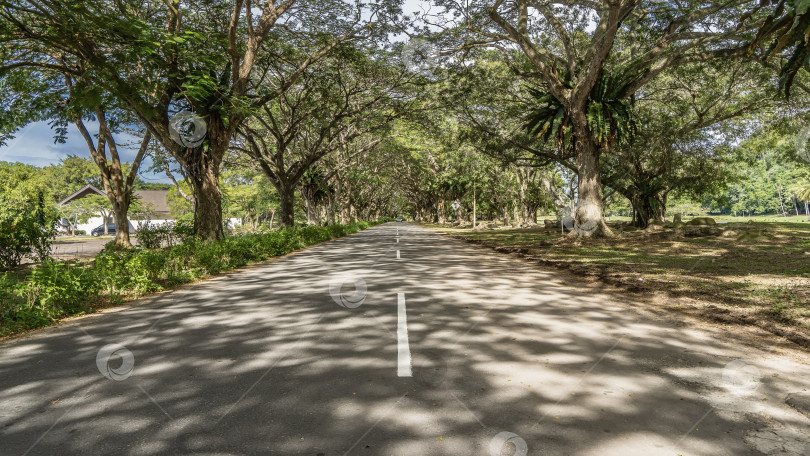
(70, 174)
(350, 94)
(766, 180)
(82, 209)
(306, 109)
(690, 116)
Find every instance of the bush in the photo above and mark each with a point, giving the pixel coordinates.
(14, 313)
(80, 232)
(184, 230)
(155, 236)
(27, 218)
(60, 288)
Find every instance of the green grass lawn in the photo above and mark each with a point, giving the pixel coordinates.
(766, 280)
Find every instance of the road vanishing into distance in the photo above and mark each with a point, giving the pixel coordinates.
(396, 341)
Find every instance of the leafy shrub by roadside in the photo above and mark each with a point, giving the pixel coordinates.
(55, 290)
(27, 218)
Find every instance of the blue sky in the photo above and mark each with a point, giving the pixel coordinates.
(34, 145)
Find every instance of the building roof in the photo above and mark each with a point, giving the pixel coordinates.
(154, 199)
(81, 193)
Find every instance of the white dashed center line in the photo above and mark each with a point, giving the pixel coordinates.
(403, 349)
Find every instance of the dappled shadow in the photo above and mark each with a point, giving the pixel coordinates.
(264, 361)
(765, 283)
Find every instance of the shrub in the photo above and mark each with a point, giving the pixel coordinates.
(155, 236)
(123, 271)
(14, 313)
(80, 232)
(56, 289)
(184, 230)
(27, 218)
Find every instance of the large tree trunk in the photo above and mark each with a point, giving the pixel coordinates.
(202, 163)
(649, 208)
(204, 176)
(287, 195)
(311, 216)
(588, 220)
(330, 210)
(344, 214)
(122, 224)
(525, 217)
(505, 214)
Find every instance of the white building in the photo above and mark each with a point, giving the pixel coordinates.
(155, 200)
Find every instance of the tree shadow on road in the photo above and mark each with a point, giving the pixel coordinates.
(266, 362)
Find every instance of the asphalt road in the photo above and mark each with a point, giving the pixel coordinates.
(434, 347)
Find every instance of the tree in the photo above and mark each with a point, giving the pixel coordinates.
(79, 211)
(802, 191)
(69, 175)
(587, 71)
(27, 215)
(77, 99)
(690, 114)
(248, 196)
(188, 59)
(118, 183)
(787, 28)
(102, 207)
(348, 96)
